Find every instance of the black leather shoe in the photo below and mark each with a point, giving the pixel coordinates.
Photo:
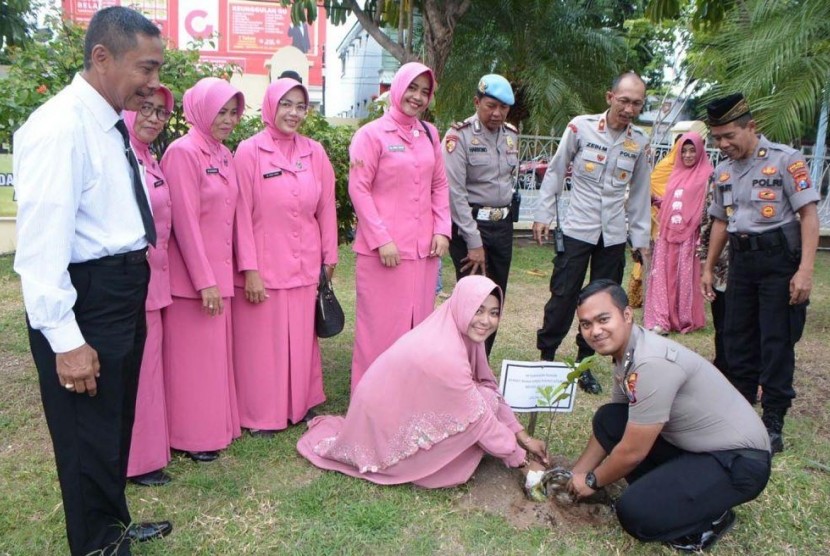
(589, 384)
(776, 442)
(704, 541)
(203, 457)
(262, 433)
(142, 532)
(151, 479)
(309, 416)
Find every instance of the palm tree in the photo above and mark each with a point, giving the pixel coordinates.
(777, 52)
(558, 59)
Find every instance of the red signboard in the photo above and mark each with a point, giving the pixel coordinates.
(244, 32)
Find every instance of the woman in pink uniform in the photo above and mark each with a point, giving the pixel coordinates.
(399, 191)
(150, 448)
(428, 408)
(207, 226)
(287, 182)
(673, 299)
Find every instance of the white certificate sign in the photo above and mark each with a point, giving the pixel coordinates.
(520, 382)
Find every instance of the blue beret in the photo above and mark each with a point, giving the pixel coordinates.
(496, 86)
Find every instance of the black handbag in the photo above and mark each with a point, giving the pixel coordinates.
(329, 319)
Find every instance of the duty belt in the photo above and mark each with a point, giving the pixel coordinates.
(492, 214)
(756, 242)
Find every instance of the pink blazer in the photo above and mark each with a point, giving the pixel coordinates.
(398, 187)
(292, 209)
(158, 292)
(208, 222)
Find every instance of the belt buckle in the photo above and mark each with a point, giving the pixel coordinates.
(496, 214)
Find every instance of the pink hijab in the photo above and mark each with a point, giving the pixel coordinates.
(682, 205)
(421, 390)
(406, 75)
(204, 100)
(142, 149)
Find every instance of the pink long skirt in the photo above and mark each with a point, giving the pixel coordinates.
(198, 366)
(390, 302)
(279, 375)
(673, 298)
(150, 448)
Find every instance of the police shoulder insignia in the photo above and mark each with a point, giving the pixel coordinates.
(450, 142)
(801, 177)
(723, 177)
(631, 387)
(460, 125)
(601, 125)
(511, 127)
(572, 127)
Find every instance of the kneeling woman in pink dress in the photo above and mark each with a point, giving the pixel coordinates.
(150, 448)
(207, 226)
(287, 182)
(399, 191)
(428, 408)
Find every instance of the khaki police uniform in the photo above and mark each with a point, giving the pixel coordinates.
(480, 166)
(759, 198)
(712, 454)
(605, 164)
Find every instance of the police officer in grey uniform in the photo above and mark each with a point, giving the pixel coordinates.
(766, 207)
(688, 444)
(480, 157)
(608, 155)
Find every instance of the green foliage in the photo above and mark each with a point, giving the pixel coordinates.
(15, 24)
(550, 396)
(777, 54)
(705, 14)
(336, 140)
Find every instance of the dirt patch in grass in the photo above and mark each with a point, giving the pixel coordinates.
(497, 490)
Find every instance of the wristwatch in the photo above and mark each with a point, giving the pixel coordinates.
(591, 481)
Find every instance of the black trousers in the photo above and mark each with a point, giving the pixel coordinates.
(91, 435)
(497, 240)
(674, 493)
(761, 327)
(718, 308)
(569, 269)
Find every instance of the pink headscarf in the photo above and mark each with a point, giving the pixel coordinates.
(682, 205)
(270, 104)
(204, 100)
(406, 75)
(421, 390)
(142, 149)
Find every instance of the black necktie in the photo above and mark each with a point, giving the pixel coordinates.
(140, 196)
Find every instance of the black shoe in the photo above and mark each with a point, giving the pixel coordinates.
(203, 457)
(776, 442)
(148, 531)
(309, 416)
(151, 479)
(705, 540)
(262, 433)
(547, 354)
(589, 384)
(774, 422)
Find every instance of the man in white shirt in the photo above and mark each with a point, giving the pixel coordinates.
(84, 224)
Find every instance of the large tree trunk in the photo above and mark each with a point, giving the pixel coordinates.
(440, 18)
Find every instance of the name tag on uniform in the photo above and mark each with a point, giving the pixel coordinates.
(396, 148)
(478, 149)
(212, 171)
(273, 174)
(159, 183)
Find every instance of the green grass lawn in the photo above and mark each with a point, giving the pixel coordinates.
(262, 498)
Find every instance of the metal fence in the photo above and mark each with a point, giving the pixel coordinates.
(536, 150)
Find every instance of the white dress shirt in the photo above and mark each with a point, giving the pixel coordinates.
(75, 203)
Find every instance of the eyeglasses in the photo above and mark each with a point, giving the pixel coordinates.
(162, 114)
(628, 102)
(289, 106)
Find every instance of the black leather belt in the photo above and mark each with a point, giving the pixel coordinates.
(750, 453)
(138, 256)
(756, 242)
(495, 213)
